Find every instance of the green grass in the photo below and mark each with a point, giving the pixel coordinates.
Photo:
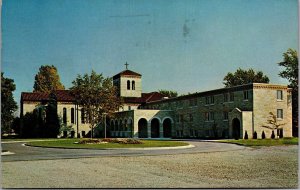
(69, 143)
(263, 142)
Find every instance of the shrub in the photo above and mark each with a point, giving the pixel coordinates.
(273, 135)
(263, 135)
(255, 135)
(246, 135)
(123, 141)
(89, 141)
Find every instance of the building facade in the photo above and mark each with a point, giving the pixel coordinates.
(233, 112)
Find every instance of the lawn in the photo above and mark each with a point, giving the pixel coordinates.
(263, 142)
(70, 143)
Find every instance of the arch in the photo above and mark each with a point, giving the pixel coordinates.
(128, 85)
(167, 128)
(116, 125)
(155, 118)
(112, 125)
(172, 121)
(64, 115)
(133, 85)
(155, 128)
(142, 128)
(236, 128)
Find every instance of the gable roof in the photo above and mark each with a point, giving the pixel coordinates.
(61, 95)
(126, 73)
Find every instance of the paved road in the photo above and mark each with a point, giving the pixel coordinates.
(24, 153)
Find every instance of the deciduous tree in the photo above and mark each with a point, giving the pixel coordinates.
(97, 96)
(47, 80)
(290, 64)
(241, 77)
(8, 104)
(168, 93)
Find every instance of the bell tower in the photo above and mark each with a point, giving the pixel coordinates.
(129, 83)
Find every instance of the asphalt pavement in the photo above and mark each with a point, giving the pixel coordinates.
(20, 152)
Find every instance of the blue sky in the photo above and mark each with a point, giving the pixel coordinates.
(181, 45)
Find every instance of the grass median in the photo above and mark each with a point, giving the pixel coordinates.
(263, 142)
(71, 143)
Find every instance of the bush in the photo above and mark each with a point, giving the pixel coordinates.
(122, 141)
(89, 141)
(246, 135)
(255, 135)
(263, 135)
(273, 135)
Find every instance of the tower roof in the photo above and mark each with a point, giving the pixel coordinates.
(126, 73)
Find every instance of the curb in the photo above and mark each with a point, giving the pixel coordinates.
(146, 148)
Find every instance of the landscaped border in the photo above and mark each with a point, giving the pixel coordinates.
(147, 144)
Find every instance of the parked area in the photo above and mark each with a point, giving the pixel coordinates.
(265, 167)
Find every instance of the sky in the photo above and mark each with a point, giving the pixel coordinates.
(182, 45)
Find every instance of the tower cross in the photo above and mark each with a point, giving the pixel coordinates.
(126, 65)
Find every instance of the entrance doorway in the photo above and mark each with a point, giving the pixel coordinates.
(142, 127)
(236, 127)
(154, 128)
(167, 128)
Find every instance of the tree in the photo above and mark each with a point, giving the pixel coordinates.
(8, 104)
(168, 93)
(273, 123)
(290, 62)
(241, 77)
(97, 96)
(47, 80)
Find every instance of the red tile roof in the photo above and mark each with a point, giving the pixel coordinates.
(128, 73)
(61, 95)
(146, 97)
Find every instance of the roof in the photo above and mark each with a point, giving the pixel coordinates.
(61, 95)
(146, 97)
(126, 73)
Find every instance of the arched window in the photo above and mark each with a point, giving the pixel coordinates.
(64, 115)
(133, 85)
(82, 116)
(128, 85)
(72, 115)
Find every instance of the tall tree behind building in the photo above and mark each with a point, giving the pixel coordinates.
(168, 93)
(241, 77)
(47, 80)
(8, 104)
(290, 64)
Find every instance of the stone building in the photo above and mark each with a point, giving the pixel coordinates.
(220, 113)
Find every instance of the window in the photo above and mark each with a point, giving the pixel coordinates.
(226, 97)
(64, 115)
(279, 95)
(231, 96)
(72, 115)
(133, 85)
(212, 100)
(181, 118)
(225, 115)
(279, 113)
(129, 107)
(209, 116)
(246, 95)
(193, 102)
(128, 85)
(82, 116)
(207, 100)
(191, 117)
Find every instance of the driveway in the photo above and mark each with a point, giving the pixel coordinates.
(23, 153)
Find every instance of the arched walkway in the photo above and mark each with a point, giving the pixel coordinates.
(167, 128)
(142, 127)
(154, 128)
(236, 127)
